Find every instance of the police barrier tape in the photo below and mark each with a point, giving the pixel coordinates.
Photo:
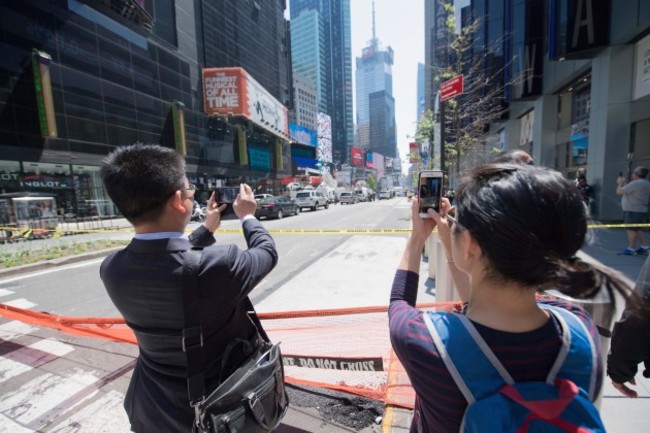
(356, 358)
(59, 232)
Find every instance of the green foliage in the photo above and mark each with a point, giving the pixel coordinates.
(371, 182)
(25, 256)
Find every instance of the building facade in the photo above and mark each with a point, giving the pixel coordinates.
(336, 19)
(305, 105)
(573, 76)
(118, 75)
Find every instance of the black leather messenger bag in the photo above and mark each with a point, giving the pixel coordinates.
(253, 399)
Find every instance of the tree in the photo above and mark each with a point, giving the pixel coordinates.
(465, 119)
(371, 182)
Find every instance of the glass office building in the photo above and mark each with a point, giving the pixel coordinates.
(78, 78)
(336, 17)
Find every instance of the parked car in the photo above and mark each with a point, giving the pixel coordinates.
(311, 199)
(383, 195)
(348, 198)
(276, 207)
(361, 195)
(262, 196)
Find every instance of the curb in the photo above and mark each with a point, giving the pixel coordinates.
(47, 264)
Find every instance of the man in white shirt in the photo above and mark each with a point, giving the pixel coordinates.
(636, 196)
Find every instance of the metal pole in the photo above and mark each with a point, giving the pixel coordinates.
(442, 137)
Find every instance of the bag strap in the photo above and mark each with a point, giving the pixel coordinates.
(471, 363)
(573, 361)
(478, 372)
(192, 341)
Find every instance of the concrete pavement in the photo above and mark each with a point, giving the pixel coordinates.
(619, 414)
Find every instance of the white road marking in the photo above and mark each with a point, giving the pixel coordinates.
(4, 292)
(55, 269)
(42, 394)
(105, 415)
(20, 303)
(52, 346)
(8, 426)
(14, 329)
(10, 369)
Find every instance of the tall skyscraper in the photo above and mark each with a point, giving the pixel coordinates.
(309, 54)
(336, 19)
(421, 104)
(375, 102)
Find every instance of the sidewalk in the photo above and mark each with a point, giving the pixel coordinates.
(619, 414)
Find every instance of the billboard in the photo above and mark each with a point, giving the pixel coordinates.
(324, 150)
(303, 135)
(379, 164)
(369, 160)
(414, 152)
(357, 156)
(233, 91)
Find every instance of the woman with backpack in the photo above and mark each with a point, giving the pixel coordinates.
(514, 231)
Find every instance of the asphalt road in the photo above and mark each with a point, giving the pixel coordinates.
(319, 267)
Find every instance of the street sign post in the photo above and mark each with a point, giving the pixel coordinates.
(451, 88)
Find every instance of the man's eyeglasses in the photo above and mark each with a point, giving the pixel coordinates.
(191, 187)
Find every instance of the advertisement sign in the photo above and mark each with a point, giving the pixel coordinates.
(369, 160)
(357, 156)
(642, 68)
(414, 152)
(379, 163)
(303, 135)
(260, 159)
(324, 150)
(232, 91)
(526, 132)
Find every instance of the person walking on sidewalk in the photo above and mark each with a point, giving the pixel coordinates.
(145, 281)
(631, 339)
(499, 257)
(636, 196)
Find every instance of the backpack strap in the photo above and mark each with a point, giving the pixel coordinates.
(578, 357)
(471, 363)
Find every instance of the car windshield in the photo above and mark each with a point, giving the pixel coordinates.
(345, 194)
(302, 194)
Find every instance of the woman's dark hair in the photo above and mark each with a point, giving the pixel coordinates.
(529, 222)
(140, 178)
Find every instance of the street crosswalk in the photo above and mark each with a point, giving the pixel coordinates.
(52, 382)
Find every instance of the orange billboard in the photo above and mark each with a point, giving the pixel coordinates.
(224, 91)
(233, 91)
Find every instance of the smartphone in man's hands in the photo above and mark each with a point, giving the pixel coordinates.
(429, 191)
(226, 194)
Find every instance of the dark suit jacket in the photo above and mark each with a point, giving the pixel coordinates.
(145, 284)
(631, 335)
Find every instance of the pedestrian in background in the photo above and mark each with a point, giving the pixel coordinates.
(636, 196)
(515, 156)
(499, 258)
(145, 281)
(631, 339)
(585, 189)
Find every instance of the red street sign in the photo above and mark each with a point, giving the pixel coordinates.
(451, 88)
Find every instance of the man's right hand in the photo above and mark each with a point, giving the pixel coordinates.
(245, 203)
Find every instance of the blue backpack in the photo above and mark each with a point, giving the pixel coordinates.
(496, 403)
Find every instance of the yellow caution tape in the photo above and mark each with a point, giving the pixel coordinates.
(59, 232)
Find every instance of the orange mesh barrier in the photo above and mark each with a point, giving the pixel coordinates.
(340, 349)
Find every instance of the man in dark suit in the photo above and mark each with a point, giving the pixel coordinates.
(144, 280)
